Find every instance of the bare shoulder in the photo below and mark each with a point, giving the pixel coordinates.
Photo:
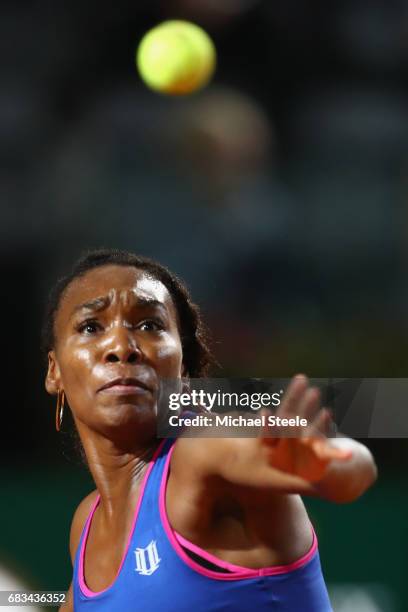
(199, 456)
(207, 467)
(78, 521)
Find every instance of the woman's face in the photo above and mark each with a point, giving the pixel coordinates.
(115, 322)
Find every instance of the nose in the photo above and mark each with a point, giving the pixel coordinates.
(122, 347)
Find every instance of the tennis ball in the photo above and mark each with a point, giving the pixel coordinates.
(176, 57)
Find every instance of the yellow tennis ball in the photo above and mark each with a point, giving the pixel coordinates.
(176, 57)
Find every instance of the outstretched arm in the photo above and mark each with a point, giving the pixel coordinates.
(307, 463)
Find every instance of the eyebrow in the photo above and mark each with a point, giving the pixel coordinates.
(101, 303)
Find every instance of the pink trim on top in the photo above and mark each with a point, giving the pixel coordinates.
(239, 572)
(81, 575)
(208, 556)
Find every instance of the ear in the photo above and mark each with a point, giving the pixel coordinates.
(53, 378)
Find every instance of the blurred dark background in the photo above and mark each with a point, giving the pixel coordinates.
(278, 193)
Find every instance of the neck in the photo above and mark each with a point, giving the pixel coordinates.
(117, 467)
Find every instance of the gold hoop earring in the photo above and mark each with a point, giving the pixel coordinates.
(60, 409)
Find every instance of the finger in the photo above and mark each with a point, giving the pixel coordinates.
(293, 395)
(326, 451)
(309, 405)
(323, 422)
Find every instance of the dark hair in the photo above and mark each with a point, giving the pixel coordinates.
(197, 355)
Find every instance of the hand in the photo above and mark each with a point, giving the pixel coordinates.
(308, 452)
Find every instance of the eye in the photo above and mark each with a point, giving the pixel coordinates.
(151, 325)
(91, 326)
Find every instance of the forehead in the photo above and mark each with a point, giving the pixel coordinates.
(120, 283)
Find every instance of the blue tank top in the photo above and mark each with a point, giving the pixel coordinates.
(157, 575)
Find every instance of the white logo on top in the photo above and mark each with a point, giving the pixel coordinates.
(147, 559)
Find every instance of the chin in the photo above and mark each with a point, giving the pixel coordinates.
(126, 415)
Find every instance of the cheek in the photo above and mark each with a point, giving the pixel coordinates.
(76, 366)
(78, 358)
(169, 358)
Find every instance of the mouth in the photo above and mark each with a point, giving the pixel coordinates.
(125, 386)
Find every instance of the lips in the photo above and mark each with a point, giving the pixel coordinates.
(125, 382)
